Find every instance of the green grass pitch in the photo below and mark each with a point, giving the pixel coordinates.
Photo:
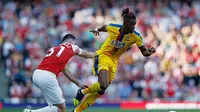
(94, 109)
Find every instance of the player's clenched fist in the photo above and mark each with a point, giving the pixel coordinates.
(152, 50)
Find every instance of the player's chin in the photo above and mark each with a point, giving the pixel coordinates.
(131, 29)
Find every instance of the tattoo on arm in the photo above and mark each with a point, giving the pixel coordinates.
(86, 54)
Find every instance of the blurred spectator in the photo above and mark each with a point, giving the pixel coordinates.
(125, 90)
(27, 90)
(16, 92)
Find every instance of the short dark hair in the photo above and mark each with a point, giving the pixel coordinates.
(68, 36)
(128, 15)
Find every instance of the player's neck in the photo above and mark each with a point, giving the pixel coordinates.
(65, 43)
(124, 30)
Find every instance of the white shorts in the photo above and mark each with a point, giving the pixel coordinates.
(48, 84)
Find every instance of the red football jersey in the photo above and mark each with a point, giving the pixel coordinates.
(57, 57)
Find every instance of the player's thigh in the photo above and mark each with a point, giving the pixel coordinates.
(41, 78)
(101, 62)
(96, 65)
(101, 69)
(112, 73)
(53, 93)
(103, 78)
(48, 84)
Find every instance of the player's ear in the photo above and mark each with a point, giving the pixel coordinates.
(74, 41)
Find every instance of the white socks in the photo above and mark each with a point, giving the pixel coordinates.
(46, 109)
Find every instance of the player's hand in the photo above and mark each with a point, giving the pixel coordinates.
(152, 50)
(93, 54)
(82, 86)
(95, 32)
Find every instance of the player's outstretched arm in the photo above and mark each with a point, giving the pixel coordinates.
(86, 54)
(82, 53)
(147, 51)
(67, 73)
(100, 29)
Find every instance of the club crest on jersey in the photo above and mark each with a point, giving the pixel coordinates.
(127, 38)
(117, 44)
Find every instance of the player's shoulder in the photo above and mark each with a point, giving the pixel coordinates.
(137, 34)
(74, 47)
(115, 25)
(66, 45)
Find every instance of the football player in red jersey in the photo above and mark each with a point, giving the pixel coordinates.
(44, 77)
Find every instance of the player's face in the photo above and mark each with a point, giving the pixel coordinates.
(129, 24)
(72, 41)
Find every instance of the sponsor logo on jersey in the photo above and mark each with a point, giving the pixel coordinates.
(127, 38)
(117, 44)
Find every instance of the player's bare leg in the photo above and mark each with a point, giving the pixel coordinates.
(103, 79)
(100, 86)
(61, 107)
(89, 100)
(103, 83)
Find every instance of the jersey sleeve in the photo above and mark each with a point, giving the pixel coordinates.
(139, 39)
(108, 28)
(111, 26)
(140, 42)
(77, 50)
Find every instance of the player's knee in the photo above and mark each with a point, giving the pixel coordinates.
(104, 86)
(62, 109)
(103, 79)
(101, 92)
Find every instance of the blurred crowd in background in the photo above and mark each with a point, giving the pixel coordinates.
(28, 29)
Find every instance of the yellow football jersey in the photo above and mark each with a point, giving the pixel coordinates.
(117, 42)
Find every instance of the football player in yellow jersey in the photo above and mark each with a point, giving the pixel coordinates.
(120, 38)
